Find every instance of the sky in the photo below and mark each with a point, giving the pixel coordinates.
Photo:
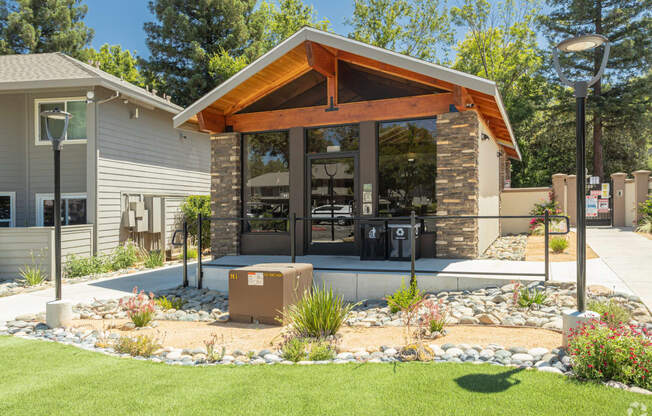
(121, 21)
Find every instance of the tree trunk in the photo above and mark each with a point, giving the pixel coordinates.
(598, 166)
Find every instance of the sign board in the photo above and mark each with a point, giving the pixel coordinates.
(367, 209)
(594, 180)
(603, 205)
(605, 190)
(508, 183)
(596, 192)
(591, 206)
(255, 279)
(400, 233)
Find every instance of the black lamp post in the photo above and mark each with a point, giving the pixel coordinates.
(578, 44)
(57, 115)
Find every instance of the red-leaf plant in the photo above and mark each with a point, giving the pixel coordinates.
(140, 307)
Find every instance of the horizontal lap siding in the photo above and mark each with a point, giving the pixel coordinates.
(13, 158)
(145, 156)
(77, 240)
(17, 246)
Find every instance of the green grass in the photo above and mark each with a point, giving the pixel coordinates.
(41, 378)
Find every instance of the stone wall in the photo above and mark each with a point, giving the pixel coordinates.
(225, 193)
(457, 184)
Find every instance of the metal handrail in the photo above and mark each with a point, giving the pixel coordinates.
(292, 219)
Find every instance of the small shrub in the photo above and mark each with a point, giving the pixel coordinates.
(318, 314)
(435, 316)
(33, 274)
(528, 297)
(192, 207)
(294, 349)
(621, 353)
(86, 266)
(166, 303)
(153, 259)
(212, 352)
(610, 312)
(320, 351)
(403, 298)
(141, 346)
(644, 225)
(140, 308)
(540, 209)
(192, 253)
(124, 256)
(558, 244)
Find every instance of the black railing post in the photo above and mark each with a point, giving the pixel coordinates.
(199, 249)
(413, 278)
(185, 254)
(546, 233)
(293, 241)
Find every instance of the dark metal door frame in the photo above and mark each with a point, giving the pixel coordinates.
(333, 248)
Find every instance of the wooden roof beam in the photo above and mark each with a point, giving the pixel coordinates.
(211, 121)
(320, 59)
(461, 98)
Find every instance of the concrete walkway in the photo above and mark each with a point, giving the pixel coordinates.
(109, 288)
(626, 254)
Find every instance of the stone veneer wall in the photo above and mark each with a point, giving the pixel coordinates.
(457, 184)
(225, 193)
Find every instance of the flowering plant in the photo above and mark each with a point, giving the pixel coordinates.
(540, 209)
(434, 316)
(140, 307)
(621, 353)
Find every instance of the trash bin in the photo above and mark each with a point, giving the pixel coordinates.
(399, 241)
(374, 241)
(260, 292)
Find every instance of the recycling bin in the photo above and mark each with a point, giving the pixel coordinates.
(259, 293)
(374, 241)
(399, 241)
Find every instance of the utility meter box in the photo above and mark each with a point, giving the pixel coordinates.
(259, 293)
(153, 208)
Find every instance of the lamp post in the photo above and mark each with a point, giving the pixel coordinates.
(578, 44)
(59, 312)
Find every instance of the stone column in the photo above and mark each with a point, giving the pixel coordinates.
(457, 184)
(571, 207)
(641, 179)
(618, 194)
(225, 193)
(559, 190)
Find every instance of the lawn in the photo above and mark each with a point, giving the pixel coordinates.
(38, 377)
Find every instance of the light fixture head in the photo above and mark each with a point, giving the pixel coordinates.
(581, 43)
(56, 114)
(90, 94)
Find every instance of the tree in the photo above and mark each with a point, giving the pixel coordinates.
(116, 61)
(618, 100)
(37, 26)
(286, 19)
(419, 28)
(187, 34)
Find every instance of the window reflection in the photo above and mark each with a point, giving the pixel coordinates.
(333, 139)
(407, 167)
(267, 180)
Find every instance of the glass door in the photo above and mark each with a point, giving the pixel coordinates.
(332, 204)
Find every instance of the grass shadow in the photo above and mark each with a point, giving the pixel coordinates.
(488, 383)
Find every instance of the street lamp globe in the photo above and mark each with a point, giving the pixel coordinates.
(581, 43)
(56, 115)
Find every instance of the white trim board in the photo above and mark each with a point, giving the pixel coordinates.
(40, 197)
(38, 118)
(12, 207)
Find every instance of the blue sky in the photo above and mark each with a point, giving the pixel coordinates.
(121, 21)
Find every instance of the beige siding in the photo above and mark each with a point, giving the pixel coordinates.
(489, 190)
(520, 201)
(630, 202)
(144, 156)
(17, 245)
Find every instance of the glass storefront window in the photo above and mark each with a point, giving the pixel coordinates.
(407, 168)
(333, 139)
(266, 179)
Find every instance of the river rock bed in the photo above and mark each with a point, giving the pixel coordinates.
(509, 247)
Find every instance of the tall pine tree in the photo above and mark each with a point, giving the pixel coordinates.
(37, 26)
(620, 103)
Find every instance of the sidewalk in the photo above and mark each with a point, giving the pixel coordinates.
(113, 287)
(626, 254)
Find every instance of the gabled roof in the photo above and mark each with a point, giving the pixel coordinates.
(483, 92)
(57, 70)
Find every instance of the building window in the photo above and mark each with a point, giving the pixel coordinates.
(76, 132)
(7, 209)
(73, 209)
(407, 167)
(333, 139)
(266, 179)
